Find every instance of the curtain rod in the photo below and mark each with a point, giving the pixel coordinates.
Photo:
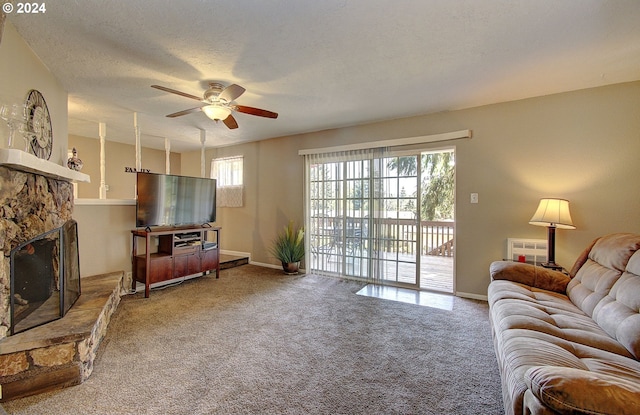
(228, 158)
(455, 135)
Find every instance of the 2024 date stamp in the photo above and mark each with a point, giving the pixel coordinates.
(24, 8)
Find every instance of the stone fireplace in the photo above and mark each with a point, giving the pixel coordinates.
(44, 350)
(32, 205)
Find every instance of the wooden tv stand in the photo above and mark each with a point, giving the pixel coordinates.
(180, 252)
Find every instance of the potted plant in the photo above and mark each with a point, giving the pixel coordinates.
(288, 248)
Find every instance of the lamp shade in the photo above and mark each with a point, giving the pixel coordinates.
(553, 212)
(216, 112)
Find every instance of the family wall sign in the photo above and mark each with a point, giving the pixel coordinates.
(134, 170)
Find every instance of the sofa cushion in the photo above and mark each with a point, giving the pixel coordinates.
(613, 251)
(582, 258)
(575, 391)
(606, 262)
(633, 266)
(618, 313)
(591, 284)
(519, 307)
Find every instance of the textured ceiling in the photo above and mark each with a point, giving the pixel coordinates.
(320, 64)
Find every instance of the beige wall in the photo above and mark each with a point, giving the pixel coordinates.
(272, 196)
(104, 237)
(582, 145)
(117, 156)
(21, 71)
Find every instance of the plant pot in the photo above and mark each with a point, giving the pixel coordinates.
(291, 268)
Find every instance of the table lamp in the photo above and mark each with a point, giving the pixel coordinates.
(552, 213)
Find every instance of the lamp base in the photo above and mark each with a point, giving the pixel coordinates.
(551, 265)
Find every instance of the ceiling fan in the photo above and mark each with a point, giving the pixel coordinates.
(219, 103)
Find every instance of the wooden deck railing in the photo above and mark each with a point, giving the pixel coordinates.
(436, 236)
(400, 235)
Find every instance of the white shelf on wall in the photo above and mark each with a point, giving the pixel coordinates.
(23, 161)
(104, 202)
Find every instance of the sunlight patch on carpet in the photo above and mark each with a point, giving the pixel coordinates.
(404, 295)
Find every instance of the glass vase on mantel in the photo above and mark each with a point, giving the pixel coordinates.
(14, 116)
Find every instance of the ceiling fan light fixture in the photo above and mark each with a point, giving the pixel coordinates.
(216, 112)
(218, 103)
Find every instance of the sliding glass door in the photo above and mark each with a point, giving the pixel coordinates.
(398, 220)
(338, 219)
(361, 218)
(364, 217)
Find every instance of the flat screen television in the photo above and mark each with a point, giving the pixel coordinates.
(169, 200)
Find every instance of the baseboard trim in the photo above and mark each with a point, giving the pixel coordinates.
(264, 264)
(472, 296)
(236, 253)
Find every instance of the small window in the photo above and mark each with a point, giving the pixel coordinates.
(228, 173)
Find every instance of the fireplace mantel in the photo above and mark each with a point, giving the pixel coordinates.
(23, 161)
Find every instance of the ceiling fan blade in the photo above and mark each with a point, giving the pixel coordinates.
(232, 92)
(173, 91)
(256, 111)
(185, 112)
(230, 122)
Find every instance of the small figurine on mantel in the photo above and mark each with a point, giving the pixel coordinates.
(74, 163)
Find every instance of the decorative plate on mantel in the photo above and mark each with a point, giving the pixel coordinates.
(39, 124)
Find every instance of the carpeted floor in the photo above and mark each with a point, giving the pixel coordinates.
(258, 342)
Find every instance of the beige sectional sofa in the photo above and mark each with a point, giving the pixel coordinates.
(570, 344)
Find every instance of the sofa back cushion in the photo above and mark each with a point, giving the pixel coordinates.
(582, 258)
(619, 311)
(607, 288)
(614, 251)
(591, 284)
(605, 263)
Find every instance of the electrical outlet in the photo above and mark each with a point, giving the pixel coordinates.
(474, 198)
